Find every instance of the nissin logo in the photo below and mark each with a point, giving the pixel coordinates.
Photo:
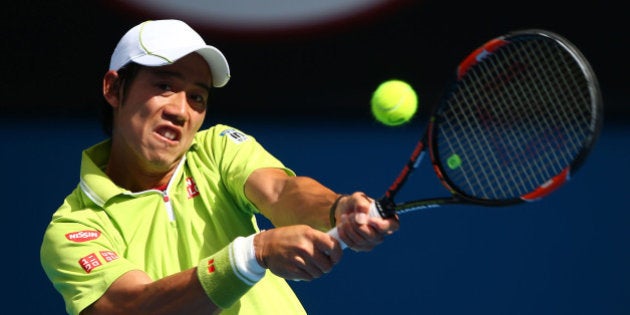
(83, 236)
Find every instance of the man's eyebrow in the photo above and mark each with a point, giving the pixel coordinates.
(169, 73)
(204, 86)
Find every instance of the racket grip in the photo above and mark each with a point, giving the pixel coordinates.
(335, 233)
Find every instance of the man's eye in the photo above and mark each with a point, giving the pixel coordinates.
(199, 98)
(165, 87)
(198, 102)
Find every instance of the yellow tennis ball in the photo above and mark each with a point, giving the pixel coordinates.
(394, 102)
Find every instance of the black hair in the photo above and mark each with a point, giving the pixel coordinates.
(126, 75)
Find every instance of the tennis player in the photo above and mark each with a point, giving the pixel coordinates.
(163, 218)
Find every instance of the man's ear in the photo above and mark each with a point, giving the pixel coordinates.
(111, 88)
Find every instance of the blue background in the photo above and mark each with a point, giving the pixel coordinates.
(304, 97)
(566, 254)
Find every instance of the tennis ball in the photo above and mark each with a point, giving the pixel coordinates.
(394, 102)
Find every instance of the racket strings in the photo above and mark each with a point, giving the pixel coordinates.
(543, 120)
(569, 118)
(515, 120)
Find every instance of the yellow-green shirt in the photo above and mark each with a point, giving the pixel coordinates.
(102, 231)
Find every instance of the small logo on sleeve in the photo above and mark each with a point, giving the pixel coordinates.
(92, 261)
(83, 236)
(108, 255)
(89, 262)
(235, 135)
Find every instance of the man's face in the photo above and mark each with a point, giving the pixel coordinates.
(162, 110)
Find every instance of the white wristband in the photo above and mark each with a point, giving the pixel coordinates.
(244, 259)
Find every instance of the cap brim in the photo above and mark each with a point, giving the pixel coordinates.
(219, 67)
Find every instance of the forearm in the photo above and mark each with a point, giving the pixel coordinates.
(216, 283)
(135, 293)
(303, 201)
(286, 200)
(181, 293)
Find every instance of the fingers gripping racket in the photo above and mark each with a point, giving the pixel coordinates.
(522, 115)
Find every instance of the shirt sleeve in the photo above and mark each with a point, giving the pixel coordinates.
(236, 155)
(81, 259)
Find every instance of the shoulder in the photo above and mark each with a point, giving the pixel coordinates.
(223, 141)
(222, 133)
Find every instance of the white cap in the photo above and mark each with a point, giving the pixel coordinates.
(162, 42)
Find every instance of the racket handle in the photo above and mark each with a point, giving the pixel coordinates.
(334, 233)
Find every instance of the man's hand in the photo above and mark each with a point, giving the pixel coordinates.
(356, 228)
(297, 252)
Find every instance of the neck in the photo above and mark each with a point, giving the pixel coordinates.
(136, 179)
(137, 174)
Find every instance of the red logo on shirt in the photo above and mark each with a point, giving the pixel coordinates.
(191, 187)
(108, 255)
(83, 236)
(89, 262)
(211, 265)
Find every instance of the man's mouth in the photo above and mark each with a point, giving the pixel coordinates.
(168, 133)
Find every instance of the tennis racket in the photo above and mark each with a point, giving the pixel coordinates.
(520, 118)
